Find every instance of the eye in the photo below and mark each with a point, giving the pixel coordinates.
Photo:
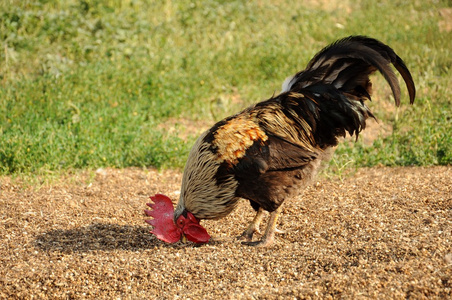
(180, 222)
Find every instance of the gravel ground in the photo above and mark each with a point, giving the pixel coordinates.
(378, 233)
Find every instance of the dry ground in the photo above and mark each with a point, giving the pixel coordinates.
(378, 233)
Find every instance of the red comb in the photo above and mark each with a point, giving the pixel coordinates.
(163, 213)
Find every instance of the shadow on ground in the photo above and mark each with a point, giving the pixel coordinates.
(98, 236)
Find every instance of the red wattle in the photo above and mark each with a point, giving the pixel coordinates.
(196, 233)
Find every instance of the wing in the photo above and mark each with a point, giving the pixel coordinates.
(276, 154)
(274, 135)
(268, 171)
(264, 148)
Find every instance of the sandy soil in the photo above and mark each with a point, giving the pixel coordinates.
(377, 233)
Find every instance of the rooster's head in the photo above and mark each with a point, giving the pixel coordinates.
(170, 228)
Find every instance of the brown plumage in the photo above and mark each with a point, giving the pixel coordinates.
(273, 149)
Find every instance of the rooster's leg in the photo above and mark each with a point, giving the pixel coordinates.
(269, 234)
(247, 235)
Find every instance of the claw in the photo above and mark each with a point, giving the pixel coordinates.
(269, 234)
(253, 228)
(260, 244)
(247, 235)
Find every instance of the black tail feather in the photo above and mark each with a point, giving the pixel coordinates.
(347, 65)
(336, 85)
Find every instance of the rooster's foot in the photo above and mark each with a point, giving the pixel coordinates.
(260, 244)
(247, 235)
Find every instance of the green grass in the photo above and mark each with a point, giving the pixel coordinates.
(85, 84)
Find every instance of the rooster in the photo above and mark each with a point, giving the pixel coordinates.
(270, 151)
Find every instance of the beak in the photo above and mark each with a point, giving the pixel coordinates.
(183, 239)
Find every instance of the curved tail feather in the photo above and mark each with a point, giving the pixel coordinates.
(347, 65)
